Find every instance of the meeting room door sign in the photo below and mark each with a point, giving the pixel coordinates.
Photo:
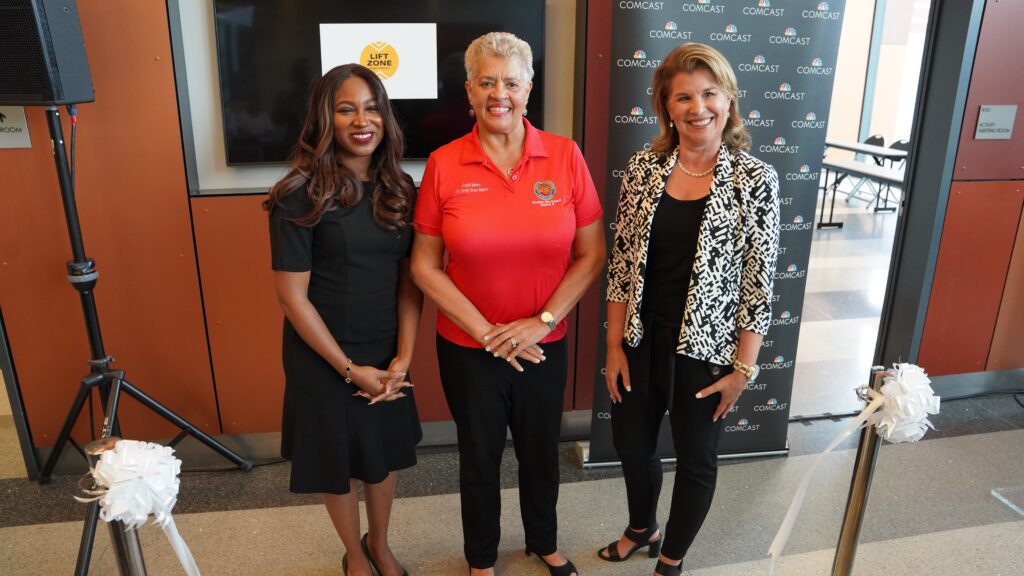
(14, 128)
(784, 54)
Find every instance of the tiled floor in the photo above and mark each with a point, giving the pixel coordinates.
(845, 289)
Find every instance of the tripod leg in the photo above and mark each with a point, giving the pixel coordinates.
(88, 535)
(88, 383)
(185, 426)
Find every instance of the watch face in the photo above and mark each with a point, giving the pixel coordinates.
(547, 317)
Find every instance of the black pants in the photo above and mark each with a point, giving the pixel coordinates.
(487, 397)
(660, 380)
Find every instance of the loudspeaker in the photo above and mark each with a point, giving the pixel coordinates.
(42, 54)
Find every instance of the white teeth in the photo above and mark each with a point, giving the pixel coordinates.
(499, 109)
(362, 137)
(703, 122)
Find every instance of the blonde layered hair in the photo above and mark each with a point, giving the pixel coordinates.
(688, 58)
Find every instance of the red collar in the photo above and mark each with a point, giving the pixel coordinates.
(533, 146)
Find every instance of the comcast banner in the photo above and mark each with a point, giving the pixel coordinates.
(784, 53)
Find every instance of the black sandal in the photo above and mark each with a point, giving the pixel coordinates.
(567, 569)
(668, 569)
(373, 564)
(639, 539)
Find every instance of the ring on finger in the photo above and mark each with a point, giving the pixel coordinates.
(514, 342)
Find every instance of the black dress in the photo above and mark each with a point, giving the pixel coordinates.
(329, 435)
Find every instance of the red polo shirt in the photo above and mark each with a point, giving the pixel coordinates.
(509, 240)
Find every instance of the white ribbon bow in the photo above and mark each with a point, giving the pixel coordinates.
(899, 412)
(136, 479)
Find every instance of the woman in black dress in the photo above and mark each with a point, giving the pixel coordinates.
(340, 240)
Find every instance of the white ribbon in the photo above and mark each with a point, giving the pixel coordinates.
(899, 411)
(136, 479)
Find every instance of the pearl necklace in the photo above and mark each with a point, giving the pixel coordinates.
(695, 174)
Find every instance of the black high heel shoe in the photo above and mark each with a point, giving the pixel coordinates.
(567, 569)
(668, 569)
(639, 540)
(373, 563)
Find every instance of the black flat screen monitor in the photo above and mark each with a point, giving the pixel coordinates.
(269, 52)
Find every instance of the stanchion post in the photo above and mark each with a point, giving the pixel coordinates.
(863, 470)
(128, 550)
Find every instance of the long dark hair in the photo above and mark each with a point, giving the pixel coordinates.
(316, 162)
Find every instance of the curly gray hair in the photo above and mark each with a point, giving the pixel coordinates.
(502, 45)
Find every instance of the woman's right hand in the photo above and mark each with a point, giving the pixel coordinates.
(374, 383)
(616, 365)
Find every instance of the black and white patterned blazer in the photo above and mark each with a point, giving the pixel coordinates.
(734, 268)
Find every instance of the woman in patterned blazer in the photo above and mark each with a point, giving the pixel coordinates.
(689, 293)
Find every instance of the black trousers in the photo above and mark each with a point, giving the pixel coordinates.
(487, 397)
(660, 380)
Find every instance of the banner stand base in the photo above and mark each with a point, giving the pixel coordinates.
(583, 454)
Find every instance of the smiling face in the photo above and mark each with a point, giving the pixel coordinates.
(498, 94)
(358, 125)
(699, 107)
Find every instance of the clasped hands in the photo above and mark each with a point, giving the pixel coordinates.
(381, 385)
(517, 341)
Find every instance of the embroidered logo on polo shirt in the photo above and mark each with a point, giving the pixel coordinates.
(471, 188)
(545, 189)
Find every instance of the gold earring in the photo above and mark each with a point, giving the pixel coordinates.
(472, 113)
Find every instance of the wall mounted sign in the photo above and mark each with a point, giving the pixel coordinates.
(995, 122)
(13, 128)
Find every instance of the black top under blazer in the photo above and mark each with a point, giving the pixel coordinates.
(734, 268)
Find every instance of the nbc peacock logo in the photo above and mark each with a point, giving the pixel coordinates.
(640, 54)
(754, 114)
(790, 31)
(380, 57)
(743, 422)
(779, 358)
(731, 29)
(764, 3)
(816, 62)
(792, 268)
(804, 169)
(780, 141)
(759, 59)
(671, 25)
(636, 111)
(798, 219)
(810, 117)
(822, 5)
(785, 87)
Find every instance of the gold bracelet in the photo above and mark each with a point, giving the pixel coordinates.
(348, 372)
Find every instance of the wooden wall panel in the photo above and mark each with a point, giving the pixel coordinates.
(134, 212)
(996, 79)
(1007, 352)
(977, 239)
(242, 314)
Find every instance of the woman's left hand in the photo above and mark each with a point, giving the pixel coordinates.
(524, 333)
(392, 389)
(730, 386)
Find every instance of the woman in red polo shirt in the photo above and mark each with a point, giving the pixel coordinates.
(517, 213)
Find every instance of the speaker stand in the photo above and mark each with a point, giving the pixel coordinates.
(83, 276)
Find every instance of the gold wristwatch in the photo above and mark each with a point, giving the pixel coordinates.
(549, 319)
(747, 370)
